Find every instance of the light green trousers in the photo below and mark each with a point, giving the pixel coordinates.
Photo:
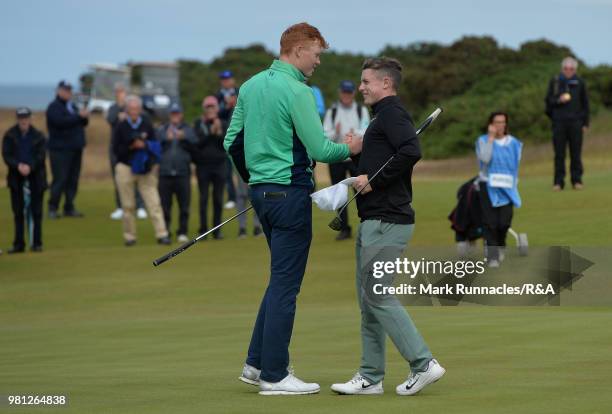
(382, 316)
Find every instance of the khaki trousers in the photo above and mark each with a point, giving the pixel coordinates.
(147, 186)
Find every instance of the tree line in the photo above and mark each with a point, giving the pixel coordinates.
(468, 78)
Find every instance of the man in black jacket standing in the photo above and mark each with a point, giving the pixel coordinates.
(177, 139)
(567, 105)
(23, 150)
(387, 224)
(66, 124)
(210, 160)
(227, 97)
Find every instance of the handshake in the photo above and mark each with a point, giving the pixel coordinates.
(354, 142)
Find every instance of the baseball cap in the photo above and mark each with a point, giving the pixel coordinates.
(210, 101)
(176, 108)
(347, 86)
(23, 112)
(64, 85)
(226, 74)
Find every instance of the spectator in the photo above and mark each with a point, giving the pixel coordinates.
(499, 156)
(138, 152)
(211, 160)
(23, 150)
(66, 125)
(567, 105)
(177, 139)
(116, 114)
(345, 117)
(227, 98)
(227, 95)
(319, 100)
(242, 199)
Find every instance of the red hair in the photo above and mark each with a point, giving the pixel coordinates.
(299, 33)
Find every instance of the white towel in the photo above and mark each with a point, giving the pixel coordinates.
(334, 197)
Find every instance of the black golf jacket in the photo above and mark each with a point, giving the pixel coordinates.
(390, 132)
(38, 174)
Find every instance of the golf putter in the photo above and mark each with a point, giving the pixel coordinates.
(336, 223)
(190, 243)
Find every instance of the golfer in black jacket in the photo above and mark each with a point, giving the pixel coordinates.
(387, 223)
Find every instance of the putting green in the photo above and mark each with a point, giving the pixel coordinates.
(94, 320)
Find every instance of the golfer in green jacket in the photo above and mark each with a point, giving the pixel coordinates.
(273, 138)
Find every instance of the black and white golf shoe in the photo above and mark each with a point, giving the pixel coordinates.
(416, 382)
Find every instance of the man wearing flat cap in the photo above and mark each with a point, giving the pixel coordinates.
(23, 150)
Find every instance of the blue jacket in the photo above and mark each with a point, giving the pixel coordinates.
(66, 130)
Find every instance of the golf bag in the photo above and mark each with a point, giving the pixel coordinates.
(466, 217)
(466, 221)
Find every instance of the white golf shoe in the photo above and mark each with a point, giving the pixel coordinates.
(141, 213)
(117, 214)
(290, 385)
(358, 385)
(416, 382)
(250, 375)
(493, 263)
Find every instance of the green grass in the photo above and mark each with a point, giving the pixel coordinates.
(95, 320)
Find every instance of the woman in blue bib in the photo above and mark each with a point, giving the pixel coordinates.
(499, 156)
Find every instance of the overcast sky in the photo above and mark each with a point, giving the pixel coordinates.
(44, 41)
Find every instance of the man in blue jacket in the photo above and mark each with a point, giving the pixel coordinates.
(66, 125)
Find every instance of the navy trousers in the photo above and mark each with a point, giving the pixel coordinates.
(285, 213)
(66, 170)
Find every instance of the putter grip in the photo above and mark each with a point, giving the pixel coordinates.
(173, 253)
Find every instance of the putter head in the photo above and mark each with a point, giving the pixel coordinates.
(336, 224)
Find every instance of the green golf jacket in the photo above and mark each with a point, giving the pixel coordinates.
(276, 132)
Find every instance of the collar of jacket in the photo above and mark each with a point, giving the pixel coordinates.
(15, 133)
(384, 102)
(289, 69)
(563, 78)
